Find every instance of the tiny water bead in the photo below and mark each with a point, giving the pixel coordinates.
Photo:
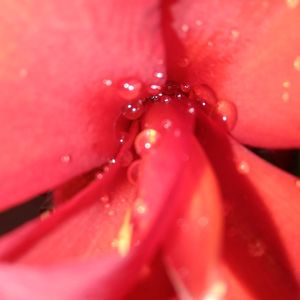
(66, 158)
(146, 140)
(257, 248)
(130, 89)
(243, 167)
(134, 110)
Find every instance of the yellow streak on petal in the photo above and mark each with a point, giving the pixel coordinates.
(125, 235)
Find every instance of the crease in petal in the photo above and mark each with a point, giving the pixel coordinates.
(260, 216)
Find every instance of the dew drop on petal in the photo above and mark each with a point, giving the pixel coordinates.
(111, 213)
(286, 84)
(99, 175)
(130, 89)
(154, 89)
(133, 172)
(203, 92)
(227, 113)
(146, 140)
(285, 97)
(166, 99)
(243, 167)
(123, 137)
(167, 123)
(256, 248)
(66, 158)
(185, 87)
(140, 207)
(297, 63)
(134, 110)
(104, 199)
(198, 23)
(107, 82)
(159, 75)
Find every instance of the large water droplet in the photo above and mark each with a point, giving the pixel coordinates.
(226, 113)
(146, 140)
(130, 89)
(133, 171)
(134, 110)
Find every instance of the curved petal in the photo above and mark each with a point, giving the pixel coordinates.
(248, 53)
(193, 249)
(262, 208)
(56, 113)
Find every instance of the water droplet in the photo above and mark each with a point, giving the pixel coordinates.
(159, 75)
(140, 207)
(185, 87)
(183, 62)
(130, 89)
(256, 248)
(133, 172)
(203, 92)
(171, 88)
(227, 113)
(123, 137)
(285, 97)
(167, 124)
(286, 84)
(243, 167)
(198, 23)
(107, 82)
(216, 291)
(185, 28)
(166, 99)
(146, 140)
(99, 175)
(134, 110)
(66, 159)
(154, 89)
(235, 34)
(111, 213)
(112, 161)
(297, 63)
(104, 199)
(292, 3)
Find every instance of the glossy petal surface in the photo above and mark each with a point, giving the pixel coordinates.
(56, 113)
(248, 53)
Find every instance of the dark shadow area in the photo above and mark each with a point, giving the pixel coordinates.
(14, 217)
(287, 160)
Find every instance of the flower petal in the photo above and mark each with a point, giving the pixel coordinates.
(262, 208)
(193, 249)
(56, 113)
(248, 53)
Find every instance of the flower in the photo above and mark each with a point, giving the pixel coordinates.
(207, 218)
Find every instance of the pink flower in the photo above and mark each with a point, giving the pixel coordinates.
(190, 213)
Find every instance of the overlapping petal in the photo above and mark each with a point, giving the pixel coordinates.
(248, 53)
(261, 217)
(57, 117)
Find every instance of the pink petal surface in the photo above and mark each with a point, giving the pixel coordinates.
(262, 208)
(248, 53)
(78, 230)
(56, 114)
(193, 249)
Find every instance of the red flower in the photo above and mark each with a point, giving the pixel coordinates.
(206, 219)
